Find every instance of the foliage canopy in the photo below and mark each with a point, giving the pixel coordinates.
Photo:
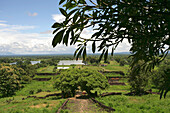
(145, 24)
(70, 80)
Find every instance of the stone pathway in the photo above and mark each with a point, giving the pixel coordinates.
(76, 105)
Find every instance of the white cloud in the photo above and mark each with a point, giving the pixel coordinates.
(32, 14)
(13, 40)
(6, 27)
(58, 17)
(2, 21)
(46, 32)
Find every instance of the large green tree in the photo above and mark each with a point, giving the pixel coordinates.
(144, 23)
(71, 80)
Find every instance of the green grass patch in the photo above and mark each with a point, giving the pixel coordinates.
(35, 86)
(112, 75)
(48, 69)
(45, 76)
(137, 104)
(30, 105)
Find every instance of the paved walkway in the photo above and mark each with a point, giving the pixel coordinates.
(81, 105)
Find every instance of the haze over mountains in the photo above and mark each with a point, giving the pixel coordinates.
(11, 54)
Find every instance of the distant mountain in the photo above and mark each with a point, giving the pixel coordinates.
(12, 54)
(6, 53)
(122, 53)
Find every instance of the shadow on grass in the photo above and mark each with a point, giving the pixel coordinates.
(83, 97)
(54, 98)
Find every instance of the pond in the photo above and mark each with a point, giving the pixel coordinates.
(35, 62)
(32, 62)
(63, 67)
(71, 62)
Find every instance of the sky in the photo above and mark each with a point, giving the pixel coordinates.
(25, 28)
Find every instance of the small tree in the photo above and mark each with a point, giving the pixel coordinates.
(92, 80)
(70, 80)
(67, 82)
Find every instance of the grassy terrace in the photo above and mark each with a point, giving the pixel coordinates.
(16, 104)
(137, 104)
(122, 103)
(48, 69)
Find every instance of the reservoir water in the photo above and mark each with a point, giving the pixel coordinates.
(71, 62)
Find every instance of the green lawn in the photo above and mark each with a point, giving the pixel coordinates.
(48, 69)
(35, 86)
(122, 103)
(30, 105)
(137, 104)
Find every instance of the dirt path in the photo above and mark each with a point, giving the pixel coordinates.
(82, 106)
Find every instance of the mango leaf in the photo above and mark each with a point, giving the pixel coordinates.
(58, 38)
(106, 55)
(75, 17)
(82, 1)
(56, 24)
(65, 39)
(63, 12)
(84, 54)
(56, 30)
(61, 1)
(101, 55)
(71, 12)
(112, 51)
(94, 47)
(79, 53)
(76, 51)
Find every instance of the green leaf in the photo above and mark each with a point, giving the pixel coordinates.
(101, 55)
(61, 1)
(112, 51)
(75, 17)
(106, 55)
(84, 54)
(76, 38)
(65, 39)
(94, 47)
(71, 12)
(82, 1)
(76, 51)
(63, 12)
(58, 38)
(79, 53)
(56, 30)
(99, 2)
(56, 24)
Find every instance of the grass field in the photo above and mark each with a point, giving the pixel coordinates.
(35, 86)
(48, 69)
(137, 104)
(31, 105)
(121, 103)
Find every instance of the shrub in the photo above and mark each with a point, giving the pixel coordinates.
(9, 81)
(39, 90)
(31, 92)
